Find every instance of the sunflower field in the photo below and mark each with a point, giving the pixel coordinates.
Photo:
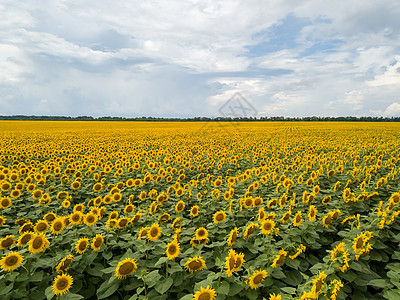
(175, 210)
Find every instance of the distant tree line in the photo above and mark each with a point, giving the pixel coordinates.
(203, 119)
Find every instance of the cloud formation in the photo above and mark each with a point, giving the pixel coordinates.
(186, 58)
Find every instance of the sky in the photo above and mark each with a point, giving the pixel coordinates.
(193, 58)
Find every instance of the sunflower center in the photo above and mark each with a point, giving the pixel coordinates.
(360, 242)
(201, 233)
(97, 242)
(5, 202)
(25, 239)
(126, 268)
(298, 219)
(251, 230)
(7, 243)
(11, 261)
(57, 226)
(281, 259)
(37, 243)
(154, 232)
(123, 222)
(267, 226)
(205, 296)
(231, 263)
(234, 236)
(172, 249)
(82, 246)
(194, 265)
(238, 262)
(258, 279)
(90, 219)
(219, 217)
(248, 202)
(62, 283)
(75, 218)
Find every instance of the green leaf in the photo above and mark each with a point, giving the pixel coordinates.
(7, 289)
(161, 261)
(380, 283)
(223, 288)
(234, 288)
(174, 267)
(107, 255)
(71, 296)
(278, 274)
(289, 290)
(187, 297)
(49, 293)
(152, 278)
(163, 286)
(293, 263)
(110, 290)
(293, 278)
(37, 277)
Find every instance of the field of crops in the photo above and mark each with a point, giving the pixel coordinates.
(130, 210)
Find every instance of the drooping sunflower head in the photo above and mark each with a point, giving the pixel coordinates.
(2, 220)
(164, 218)
(11, 261)
(143, 233)
(250, 229)
(297, 219)
(195, 264)
(154, 232)
(125, 268)
(232, 236)
(64, 264)
(62, 283)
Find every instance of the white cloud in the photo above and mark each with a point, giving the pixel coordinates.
(392, 110)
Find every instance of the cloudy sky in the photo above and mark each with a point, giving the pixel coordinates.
(180, 58)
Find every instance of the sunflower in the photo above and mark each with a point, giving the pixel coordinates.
(75, 185)
(312, 213)
(41, 226)
(107, 199)
(97, 242)
(125, 268)
(194, 211)
(173, 250)
(15, 193)
(274, 297)
(90, 219)
(327, 220)
(64, 264)
(11, 261)
(267, 226)
(50, 216)
(261, 214)
(143, 233)
(286, 216)
(299, 250)
(57, 226)
(5, 186)
(129, 209)
(38, 243)
(205, 294)
(326, 200)
(122, 222)
(116, 197)
(279, 258)
(232, 236)
(233, 262)
(81, 245)
(179, 206)
(256, 278)
(248, 202)
(154, 232)
(250, 229)
(318, 284)
(297, 219)
(97, 201)
(164, 218)
(24, 238)
(201, 233)
(79, 207)
(113, 215)
(195, 264)
(2, 220)
(7, 242)
(76, 218)
(62, 283)
(5, 203)
(97, 187)
(258, 201)
(219, 217)
(136, 218)
(177, 223)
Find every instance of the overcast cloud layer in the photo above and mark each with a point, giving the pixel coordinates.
(187, 58)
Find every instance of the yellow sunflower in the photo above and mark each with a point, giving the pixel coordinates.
(274, 297)
(279, 258)
(312, 213)
(318, 284)
(11, 261)
(297, 219)
(81, 245)
(129, 209)
(2, 220)
(76, 218)
(205, 294)
(219, 217)
(143, 233)
(250, 229)
(201, 233)
(38, 243)
(97, 242)
(90, 219)
(194, 211)
(164, 218)
(122, 222)
(256, 278)
(7, 242)
(5, 203)
(172, 250)
(154, 232)
(179, 206)
(57, 226)
(64, 264)
(195, 264)
(267, 226)
(125, 268)
(62, 283)
(232, 236)
(24, 238)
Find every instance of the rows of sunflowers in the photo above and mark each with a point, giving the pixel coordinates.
(135, 210)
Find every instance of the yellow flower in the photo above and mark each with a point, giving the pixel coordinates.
(11, 261)
(38, 243)
(219, 217)
(312, 213)
(297, 219)
(195, 264)
(125, 268)
(274, 297)
(250, 229)
(57, 226)
(7, 242)
(64, 264)
(205, 294)
(279, 258)
(233, 262)
(299, 250)
(172, 250)
(81, 245)
(232, 236)
(62, 284)
(179, 206)
(154, 232)
(24, 238)
(194, 211)
(267, 226)
(256, 278)
(97, 242)
(318, 284)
